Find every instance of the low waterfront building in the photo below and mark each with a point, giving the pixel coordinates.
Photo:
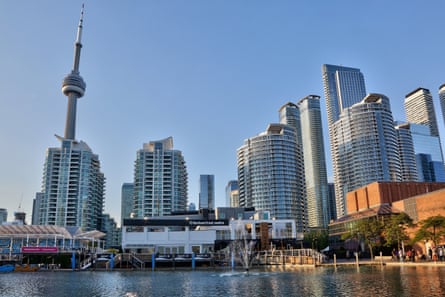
(16, 240)
(197, 233)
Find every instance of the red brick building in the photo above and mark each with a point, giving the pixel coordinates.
(378, 193)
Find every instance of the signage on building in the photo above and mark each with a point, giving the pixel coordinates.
(39, 249)
(208, 223)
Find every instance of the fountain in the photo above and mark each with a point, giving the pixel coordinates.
(242, 249)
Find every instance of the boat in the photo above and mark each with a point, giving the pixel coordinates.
(7, 268)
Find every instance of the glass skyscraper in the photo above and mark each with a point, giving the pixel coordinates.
(271, 175)
(206, 191)
(160, 180)
(343, 87)
(421, 115)
(127, 192)
(428, 153)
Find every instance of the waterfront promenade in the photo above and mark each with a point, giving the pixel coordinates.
(383, 262)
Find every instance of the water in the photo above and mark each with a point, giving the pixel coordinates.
(323, 281)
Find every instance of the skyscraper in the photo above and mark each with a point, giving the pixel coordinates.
(3, 215)
(406, 152)
(232, 194)
(206, 191)
(343, 87)
(36, 204)
(367, 147)
(160, 180)
(419, 109)
(442, 100)
(271, 175)
(428, 154)
(73, 185)
(316, 180)
(126, 201)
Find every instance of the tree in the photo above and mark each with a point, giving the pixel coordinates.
(316, 239)
(369, 231)
(395, 229)
(432, 228)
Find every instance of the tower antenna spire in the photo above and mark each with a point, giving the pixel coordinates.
(73, 85)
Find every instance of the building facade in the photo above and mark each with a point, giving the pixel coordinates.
(232, 194)
(73, 184)
(367, 148)
(72, 188)
(189, 235)
(442, 100)
(113, 233)
(160, 180)
(428, 154)
(271, 174)
(343, 87)
(379, 193)
(127, 200)
(419, 109)
(406, 152)
(3, 215)
(316, 181)
(207, 191)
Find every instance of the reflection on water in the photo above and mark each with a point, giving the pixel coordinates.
(342, 281)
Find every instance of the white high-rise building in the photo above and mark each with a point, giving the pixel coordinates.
(419, 109)
(421, 115)
(160, 180)
(271, 174)
(316, 181)
(367, 147)
(406, 152)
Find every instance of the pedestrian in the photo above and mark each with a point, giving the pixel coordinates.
(394, 255)
(409, 255)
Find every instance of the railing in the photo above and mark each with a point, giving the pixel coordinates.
(136, 262)
(278, 257)
(86, 263)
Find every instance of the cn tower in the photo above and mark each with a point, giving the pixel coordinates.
(73, 86)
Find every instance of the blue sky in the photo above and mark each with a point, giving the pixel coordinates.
(208, 73)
